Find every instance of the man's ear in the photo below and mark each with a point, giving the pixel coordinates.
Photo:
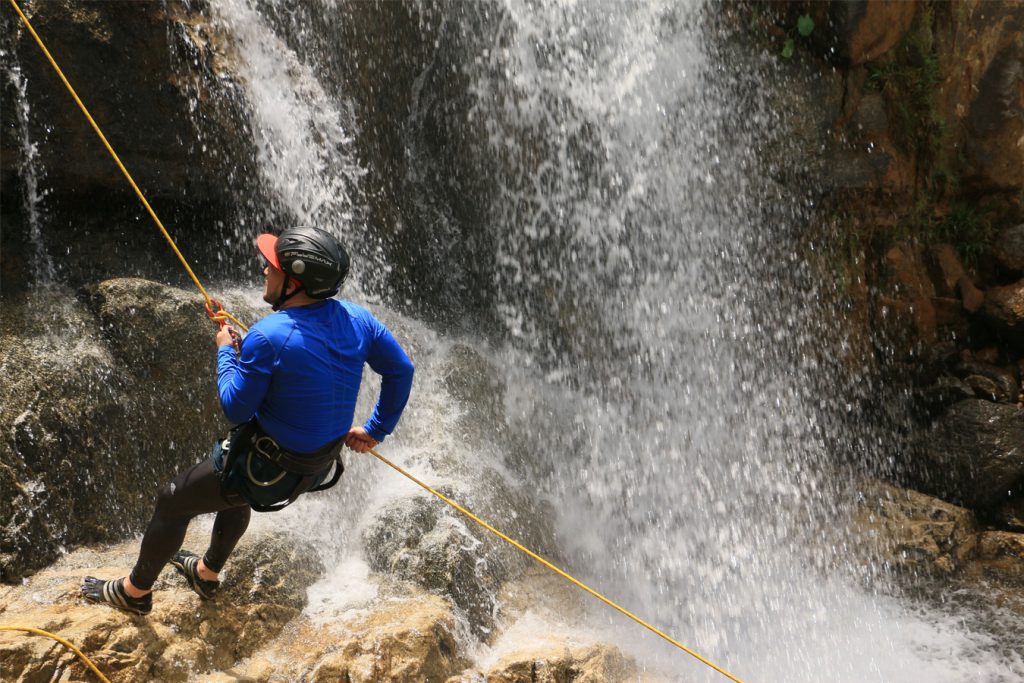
(293, 285)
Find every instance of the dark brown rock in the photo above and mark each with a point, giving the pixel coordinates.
(1011, 515)
(983, 92)
(994, 382)
(974, 453)
(154, 77)
(948, 268)
(1009, 248)
(984, 387)
(971, 297)
(872, 28)
(993, 150)
(1004, 306)
(905, 308)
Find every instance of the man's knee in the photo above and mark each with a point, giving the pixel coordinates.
(168, 500)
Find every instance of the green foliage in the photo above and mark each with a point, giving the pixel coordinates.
(968, 229)
(805, 25)
(910, 82)
(804, 28)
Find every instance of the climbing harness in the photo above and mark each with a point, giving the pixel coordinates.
(247, 443)
(65, 643)
(222, 315)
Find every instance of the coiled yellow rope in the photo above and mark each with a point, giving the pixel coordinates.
(65, 643)
(222, 315)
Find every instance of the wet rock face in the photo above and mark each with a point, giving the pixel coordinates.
(599, 663)
(420, 539)
(414, 540)
(154, 78)
(1009, 248)
(974, 453)
(264, 588)
(867, 30)
(917, 534)
(105, 399)
(411, 639)
(914, 532)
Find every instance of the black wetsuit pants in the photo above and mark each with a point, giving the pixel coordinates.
(192, 493)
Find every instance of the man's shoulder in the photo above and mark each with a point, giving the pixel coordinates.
(356, 311)
(272, 326)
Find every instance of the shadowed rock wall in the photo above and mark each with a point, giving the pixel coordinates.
(154, 79)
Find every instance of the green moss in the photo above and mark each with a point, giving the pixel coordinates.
(909, 82)
(969, 230)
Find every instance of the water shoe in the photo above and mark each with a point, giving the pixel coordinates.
(187, 565)
(113, 593)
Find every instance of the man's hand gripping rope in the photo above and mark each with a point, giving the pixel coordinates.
(227, 334)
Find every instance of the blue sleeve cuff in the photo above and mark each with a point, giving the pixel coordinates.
(377, 435)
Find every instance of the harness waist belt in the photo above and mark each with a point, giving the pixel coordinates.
(298, 463)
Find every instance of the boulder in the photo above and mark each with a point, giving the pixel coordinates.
(973, 453)
(864, 31)
(913, 532)
(1004, 307)
(1000, 555)
(562, 663)
(951, 278)
(411, 639)
(1008, 248)
(418, 540)
(401, 634)
(264, 587)
(1011, 514)
(105, 399)
(936, 398)
(990, 381)
(993, 150)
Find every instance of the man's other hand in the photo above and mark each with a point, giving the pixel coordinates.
(359, 441)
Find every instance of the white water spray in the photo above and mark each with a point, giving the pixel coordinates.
(670, 392)
(43, 269)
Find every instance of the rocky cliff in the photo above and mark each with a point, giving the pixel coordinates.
(910, 117)
(906, 126)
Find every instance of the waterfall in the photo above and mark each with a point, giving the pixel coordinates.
(666, 358)
(31, 173)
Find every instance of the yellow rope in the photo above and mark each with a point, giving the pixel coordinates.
(553, 568)
(220, 315)
(63, 642)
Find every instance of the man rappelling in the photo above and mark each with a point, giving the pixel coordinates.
(290, 388)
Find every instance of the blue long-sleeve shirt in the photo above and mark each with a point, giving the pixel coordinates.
(299, 373)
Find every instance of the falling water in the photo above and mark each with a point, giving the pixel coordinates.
(667, 363)
(43, 270)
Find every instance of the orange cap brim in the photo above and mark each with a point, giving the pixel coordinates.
(266, 243)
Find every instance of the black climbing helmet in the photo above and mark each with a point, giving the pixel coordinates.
(309, 255)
